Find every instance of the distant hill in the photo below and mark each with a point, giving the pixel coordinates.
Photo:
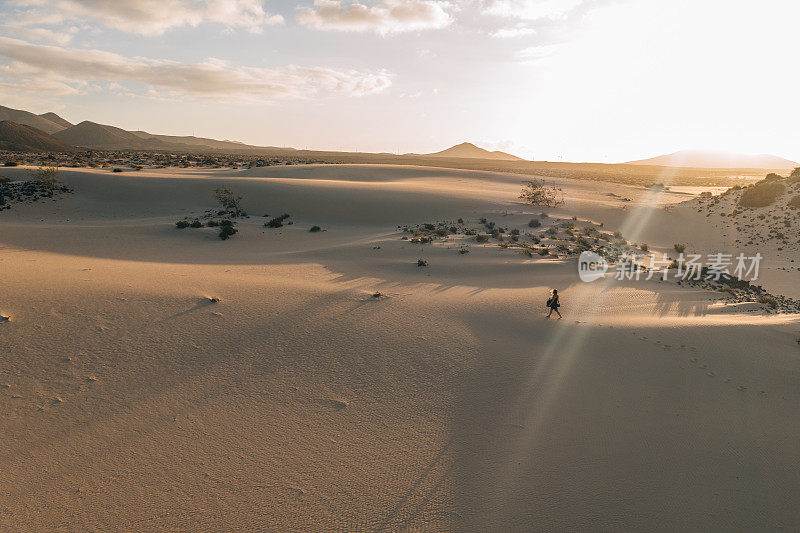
(101, 136)
(470, 151)
(22, 138)
(185, 142)
(29, 119)
(712, 159)
(52, 117)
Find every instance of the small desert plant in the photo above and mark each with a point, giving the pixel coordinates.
(515, 231)
(228, 200)
(10, 164)
(227, 231)
(213, 223)
(768, 300)
(537, 192)
(482, 238)
(196, 224)
(46, 177)
(680, 248)
(643, 247)
(182, 224)
(422, 263)
(534, 223)
(315, 229)
(117, 170)
(277, 222)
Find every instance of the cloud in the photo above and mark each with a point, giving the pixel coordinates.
(41, 34)
(152, 17)
(531, 9)
(534, 54)
(516, 31)
(390, 16)
(212, 79)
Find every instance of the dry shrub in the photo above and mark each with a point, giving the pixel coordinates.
(761, 194)
(537, 192)
(46, 177)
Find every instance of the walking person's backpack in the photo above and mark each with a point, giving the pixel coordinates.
(549, 302)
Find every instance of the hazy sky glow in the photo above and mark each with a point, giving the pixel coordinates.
(578, 80)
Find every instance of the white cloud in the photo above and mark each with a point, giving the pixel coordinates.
(41, 34)
(516, 31)
(212, 78)
(531, 9)
(152, 17)
(536, 53)
(389, 16)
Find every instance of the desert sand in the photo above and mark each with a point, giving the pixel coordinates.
(299, 401)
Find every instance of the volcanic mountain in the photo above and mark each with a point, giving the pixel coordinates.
(714, 159)
(470, 151)
(24, 138)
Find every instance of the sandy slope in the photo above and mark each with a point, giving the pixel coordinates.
(300, 402)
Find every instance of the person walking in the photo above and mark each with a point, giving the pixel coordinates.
(554, 304)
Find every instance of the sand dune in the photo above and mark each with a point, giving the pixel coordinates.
(300, 401)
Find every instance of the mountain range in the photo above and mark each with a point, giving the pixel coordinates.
(20, 137)
(22, 130)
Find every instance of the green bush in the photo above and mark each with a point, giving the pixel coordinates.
(182, 224)
(227, 232)
(315, 229)
(482, 238)
(10, 164)
(117, 170)
(680, 248)
(534, 223)
(196, 224)
(277, 222)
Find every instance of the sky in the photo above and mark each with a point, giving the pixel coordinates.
(557, 80)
